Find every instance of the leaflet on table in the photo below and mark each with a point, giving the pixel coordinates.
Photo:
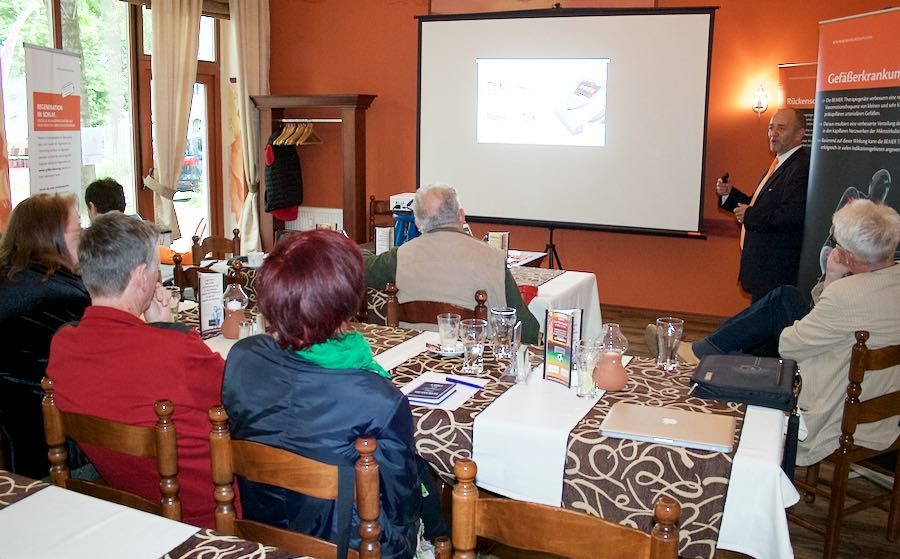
(499, 240)
(563, 330)
(209, 297)
(384, 239)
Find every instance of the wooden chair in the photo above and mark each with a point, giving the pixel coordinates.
(273, 466)
(152, 442)
(218, 247)
(856, 413)
(380, 215)
(553, 530)
(186, 278)
(425, 312)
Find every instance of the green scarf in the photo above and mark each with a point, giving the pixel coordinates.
(348, 350)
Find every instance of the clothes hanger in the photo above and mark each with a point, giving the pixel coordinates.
(299, 133)
(311, 137)
(286, 132)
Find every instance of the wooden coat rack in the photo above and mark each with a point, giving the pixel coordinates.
(351, 110)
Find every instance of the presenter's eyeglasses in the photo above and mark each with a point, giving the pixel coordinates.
(831, 241)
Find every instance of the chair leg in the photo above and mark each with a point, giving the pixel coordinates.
(836, 509)
(812, 480)
(893, 526)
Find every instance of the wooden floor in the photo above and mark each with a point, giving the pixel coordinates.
(863, 533)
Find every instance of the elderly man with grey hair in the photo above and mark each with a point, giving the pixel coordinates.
(112, 364)
(446, 264)
(860, 291)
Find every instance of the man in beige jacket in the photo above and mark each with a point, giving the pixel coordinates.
(446, 264)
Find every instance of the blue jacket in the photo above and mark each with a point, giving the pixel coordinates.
(274, 396)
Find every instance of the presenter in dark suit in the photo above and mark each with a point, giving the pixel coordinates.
(772, 215)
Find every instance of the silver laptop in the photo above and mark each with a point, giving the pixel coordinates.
(669, 426)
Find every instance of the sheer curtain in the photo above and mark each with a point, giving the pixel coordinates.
(176, 36)
(251, 25)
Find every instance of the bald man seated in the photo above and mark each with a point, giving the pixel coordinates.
(446, 264)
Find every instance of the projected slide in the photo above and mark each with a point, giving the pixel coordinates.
(542, 101)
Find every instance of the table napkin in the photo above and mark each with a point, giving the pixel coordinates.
(55, 522)
(410, 348)
(520, 440)
(754, 521)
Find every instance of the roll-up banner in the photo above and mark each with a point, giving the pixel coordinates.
(797, 83)
(53, 88)
(5, 191)
(856, 139)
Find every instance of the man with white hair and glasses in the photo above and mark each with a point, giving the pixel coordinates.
(860, 291)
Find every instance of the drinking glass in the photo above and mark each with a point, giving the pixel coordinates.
(668, 335)
(503, 321)
(587, 356)
(245, 329)
(448, 329)
(473, 332)
(174, 298)
(511, 374)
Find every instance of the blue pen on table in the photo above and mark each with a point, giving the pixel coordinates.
(462, 382)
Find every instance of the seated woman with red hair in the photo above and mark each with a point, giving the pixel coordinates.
(313, 387)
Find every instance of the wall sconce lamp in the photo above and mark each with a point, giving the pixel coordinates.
(760, 102)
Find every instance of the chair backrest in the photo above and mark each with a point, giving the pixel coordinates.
(558, 531)
(185, 278)
(380, 215)
(425, 312)
(218, 247)
(273, 466)
(873, 361)
(151, 442)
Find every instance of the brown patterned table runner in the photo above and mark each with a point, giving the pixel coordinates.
(14, 488)
(613, 478)
(533, 276)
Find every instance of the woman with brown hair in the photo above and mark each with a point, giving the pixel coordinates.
(40, 290)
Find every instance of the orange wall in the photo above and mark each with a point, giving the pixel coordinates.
(349, 46)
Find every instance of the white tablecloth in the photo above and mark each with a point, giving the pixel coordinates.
(754, 521)
(519, 441)
(570, 290)
(55, 523)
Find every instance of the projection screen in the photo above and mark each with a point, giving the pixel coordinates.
(587, 119)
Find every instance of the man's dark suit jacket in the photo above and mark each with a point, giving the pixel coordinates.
(771, 255)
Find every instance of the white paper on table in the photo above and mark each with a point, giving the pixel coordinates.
(754, 521)
(393, 357)
(459, 397)
(520, 440)
(55, 522)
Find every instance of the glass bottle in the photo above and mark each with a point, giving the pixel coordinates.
(235, 301)
(610, 373)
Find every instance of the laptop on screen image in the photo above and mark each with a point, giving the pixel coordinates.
(669, 426)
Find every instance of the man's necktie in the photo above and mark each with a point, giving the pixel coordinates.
(759, 188)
